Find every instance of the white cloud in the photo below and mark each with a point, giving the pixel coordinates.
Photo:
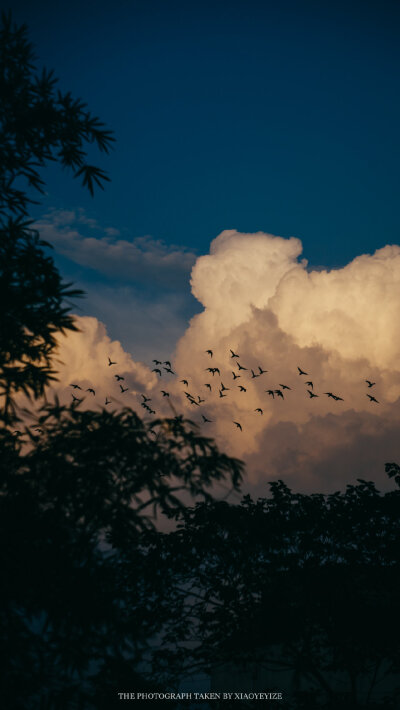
(142, 259)
(260, 300)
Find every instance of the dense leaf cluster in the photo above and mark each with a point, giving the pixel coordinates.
(306, 585)
(38, 125)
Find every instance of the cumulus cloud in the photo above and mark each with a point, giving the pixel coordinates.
(339, 326)
(82, 358)
(142, 259)
(260, 299)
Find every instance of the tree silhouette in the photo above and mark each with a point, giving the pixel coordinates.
(38, 125)
(79, 493)
(306, 585)
(80, 583)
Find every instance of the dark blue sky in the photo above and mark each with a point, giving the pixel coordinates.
(281, 117)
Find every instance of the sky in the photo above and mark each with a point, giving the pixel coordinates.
(253, 204)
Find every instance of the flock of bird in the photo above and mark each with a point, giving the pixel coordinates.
(161, 367)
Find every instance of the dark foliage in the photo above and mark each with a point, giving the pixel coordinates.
(79, 596)
(38, 125)
(306, 585)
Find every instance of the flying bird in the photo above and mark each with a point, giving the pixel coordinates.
(193, 401)
(76, 399)
(108, 401)
(312, 394)
(271, 392)
(76, 387)
(164, 393)
(145, 399)
(167, 363)
(223, 388)
(261, 370)
(279, 393)
(372, 399)
(240, 366)
(199, 399)
(119, 377)
(157, 370)
(284, 387)
(369, 383)
(209, 352)
(259, 410)
(310, 384)
(221, 394)
(90, 389)
(253, 374)
(336, 398)
(185, 382)
(208, 385)
(233, 354)
(238, 426)
(123, 389)
(235, 377)
(301, 372)
(157, 362)
(205, 419)
(168, 369)
(110, 362)
(242, 389)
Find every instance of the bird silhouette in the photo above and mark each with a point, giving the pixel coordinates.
(279, 393)
(242, 389)
(157, 370)
(168, 369)
(233, 354)
(330, 394)
(301, 372)
(240, 366)
(188, 395)
(193, 401)
(238, 426)
(185, 382)
(199, 399)
(76, 399)
(145, 399)
(209, 352)
(372, 399)
(253, 374)
(157, 362)
(369, 383)
(336, 398)
(164, 393)
(110, 362)
(119, 378)
(123, 389)
(205, 419)
(284, 387)
(259, 410)
(76, 387)
(310, 384)
(108, 401)
(261, 370)
(235, 377)
(167, 363)
(223, 388)
(90, 389)
(221, 394)
(208, 385)
(271, 392)
(312, 394)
